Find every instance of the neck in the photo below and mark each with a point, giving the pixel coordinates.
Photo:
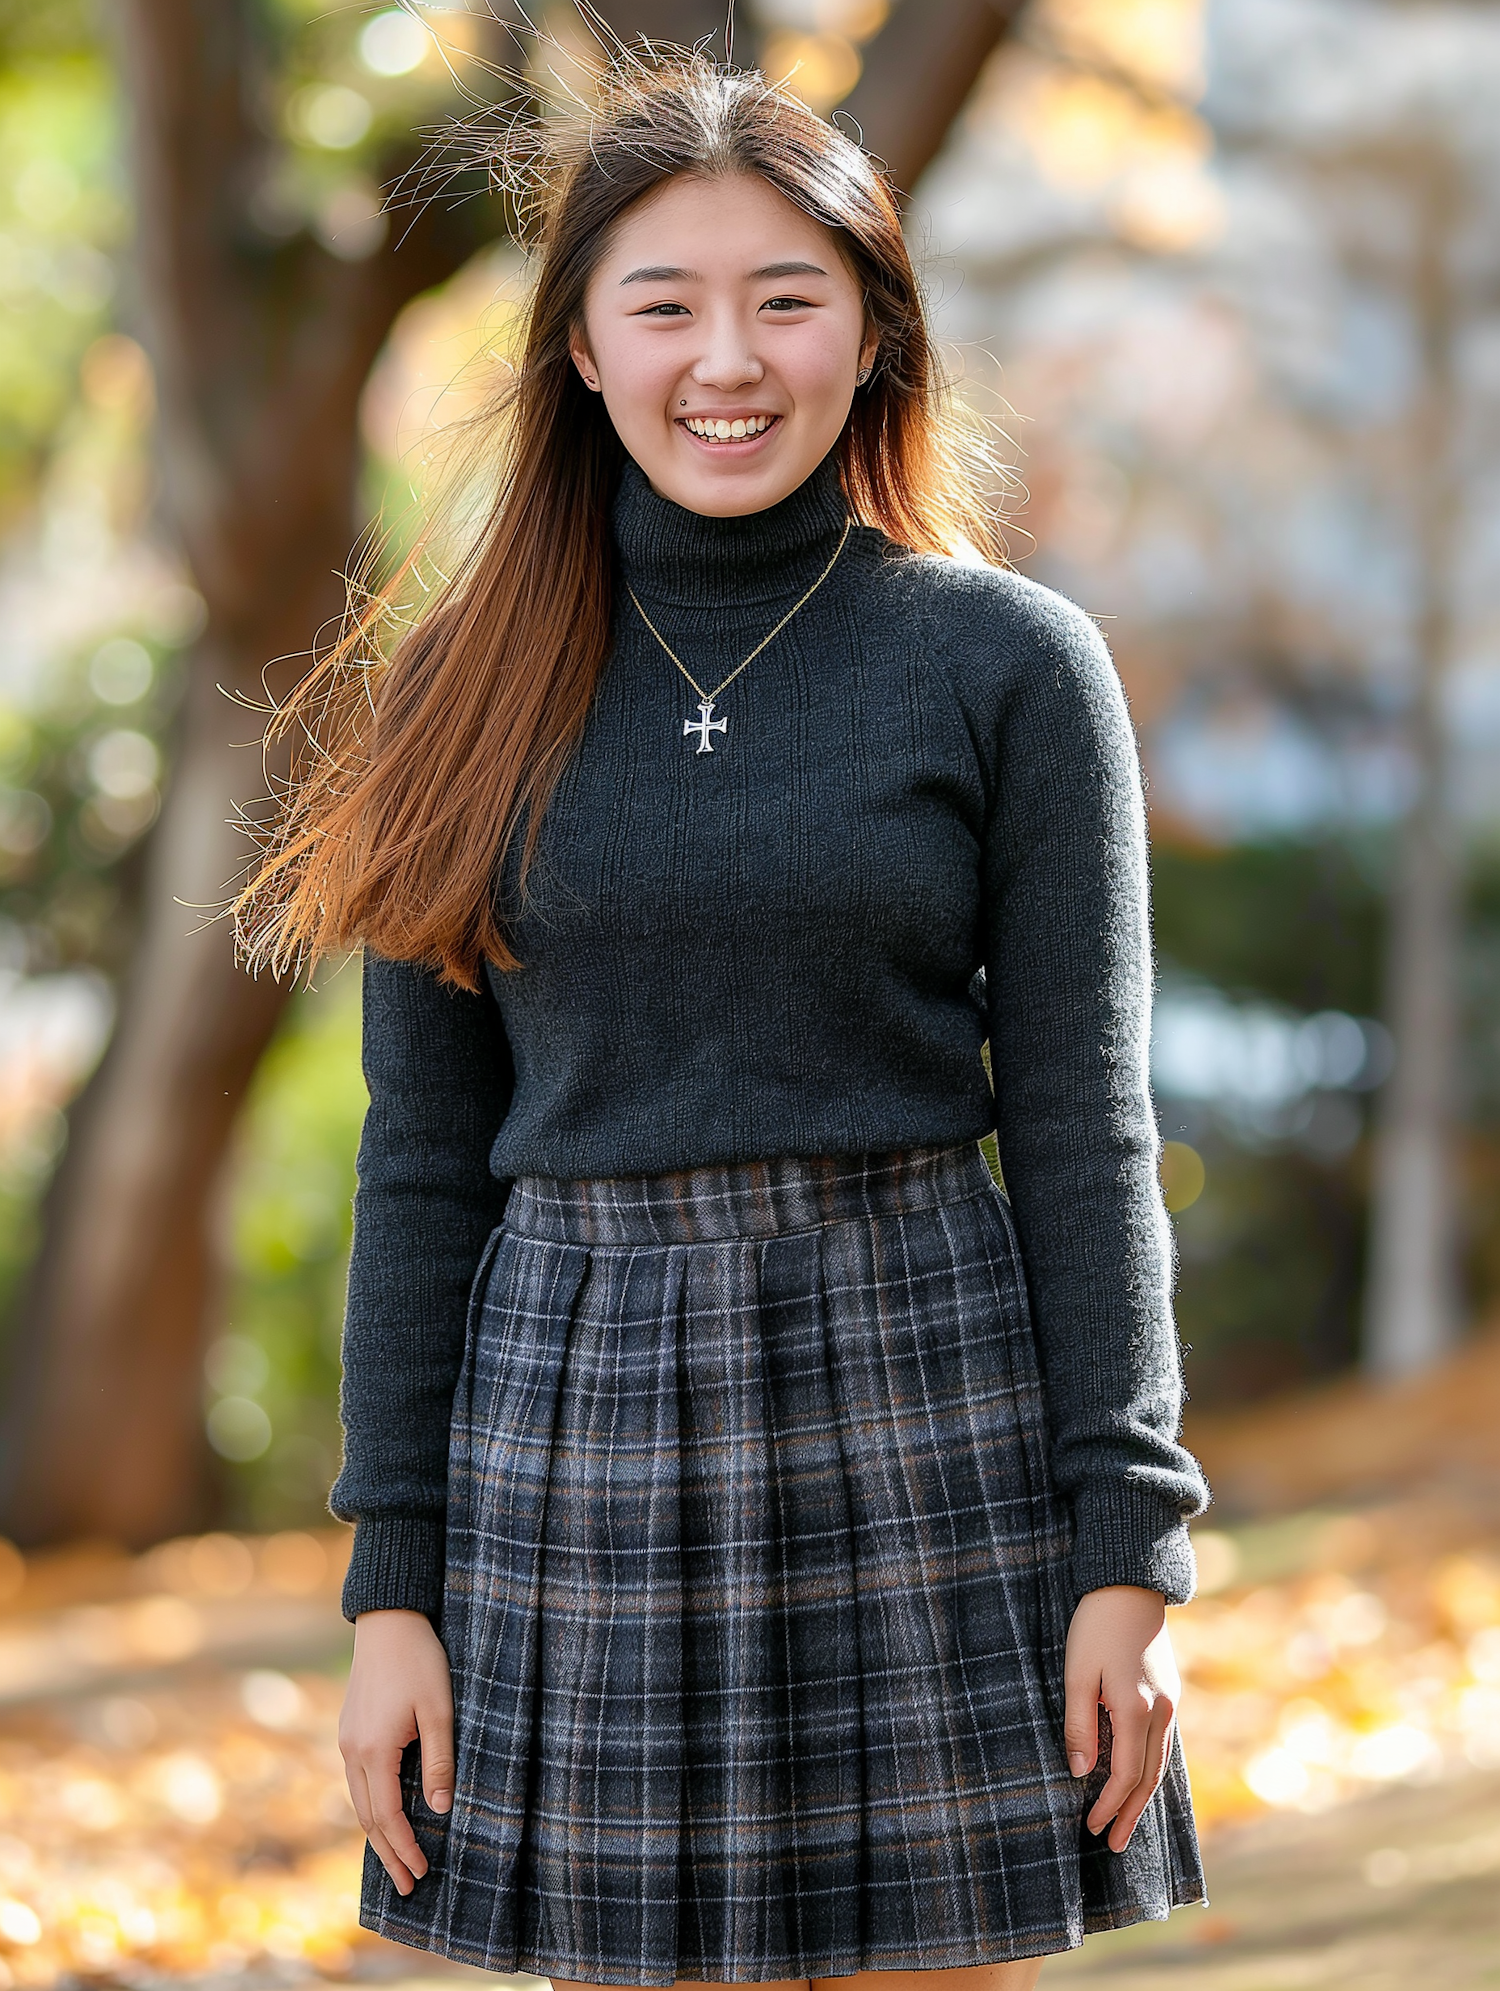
(671, 555)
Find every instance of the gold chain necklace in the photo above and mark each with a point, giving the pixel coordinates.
(706, 723)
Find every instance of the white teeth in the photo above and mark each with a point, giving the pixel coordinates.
(719, 430)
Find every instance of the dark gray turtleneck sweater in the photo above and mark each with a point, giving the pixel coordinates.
(770, 949)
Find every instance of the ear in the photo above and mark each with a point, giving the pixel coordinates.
(583, 359)
(869, 346)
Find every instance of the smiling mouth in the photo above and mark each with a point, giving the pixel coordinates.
(727, 429)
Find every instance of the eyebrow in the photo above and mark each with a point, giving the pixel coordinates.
(670, 273)
(661, 273)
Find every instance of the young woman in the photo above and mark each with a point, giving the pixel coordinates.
(763, 1522)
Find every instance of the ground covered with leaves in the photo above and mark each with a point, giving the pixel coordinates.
(172, 1804)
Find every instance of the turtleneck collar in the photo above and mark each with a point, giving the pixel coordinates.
(669, 554)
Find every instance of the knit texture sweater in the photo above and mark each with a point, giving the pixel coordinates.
(921, 828)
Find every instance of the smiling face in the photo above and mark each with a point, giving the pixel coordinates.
(724, 330)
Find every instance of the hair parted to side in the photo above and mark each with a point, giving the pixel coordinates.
(420, 743)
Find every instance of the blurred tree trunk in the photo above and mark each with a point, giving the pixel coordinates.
(261, 350)
(1412, 1304)
(917, 77)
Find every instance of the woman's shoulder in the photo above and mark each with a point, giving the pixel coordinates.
(998, 634)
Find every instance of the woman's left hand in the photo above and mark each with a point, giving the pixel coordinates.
(1119, 1653)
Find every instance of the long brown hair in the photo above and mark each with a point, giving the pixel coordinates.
(411, 773)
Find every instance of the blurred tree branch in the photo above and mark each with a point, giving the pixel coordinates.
(917, 76)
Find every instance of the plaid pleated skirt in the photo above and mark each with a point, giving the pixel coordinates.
(756, 1594)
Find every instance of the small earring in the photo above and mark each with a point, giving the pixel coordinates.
(863, 375)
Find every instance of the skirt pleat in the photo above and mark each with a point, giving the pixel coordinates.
(757, 1594)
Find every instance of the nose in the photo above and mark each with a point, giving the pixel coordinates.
(728, 360)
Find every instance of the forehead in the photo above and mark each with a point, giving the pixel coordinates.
(717, 227)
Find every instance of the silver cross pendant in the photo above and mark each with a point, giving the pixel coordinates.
(705, 724)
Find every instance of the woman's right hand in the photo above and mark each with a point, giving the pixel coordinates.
(399, 1691)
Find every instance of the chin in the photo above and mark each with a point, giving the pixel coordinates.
(731, 495)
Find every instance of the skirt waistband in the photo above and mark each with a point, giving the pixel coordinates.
(745, 1198)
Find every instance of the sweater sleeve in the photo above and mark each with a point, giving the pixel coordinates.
(1068, 975)
(440, 1078)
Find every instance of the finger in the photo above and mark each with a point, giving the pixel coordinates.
(1081, 1720)
(389, 1817)
(1127, 1761)
(401, 1876)
(1158, 1747)
(359, 1790)
(435, 1728)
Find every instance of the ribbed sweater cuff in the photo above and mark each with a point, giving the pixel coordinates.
(1127, 1534)
(396, 1564)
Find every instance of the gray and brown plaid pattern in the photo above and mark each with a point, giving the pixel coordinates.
(756, 1593)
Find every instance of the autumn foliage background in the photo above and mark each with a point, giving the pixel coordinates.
(1224, 274)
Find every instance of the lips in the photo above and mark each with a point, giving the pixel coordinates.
(727, 428)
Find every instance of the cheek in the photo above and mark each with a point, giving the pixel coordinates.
(637, 371)
(825, 357)
(651, 397)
